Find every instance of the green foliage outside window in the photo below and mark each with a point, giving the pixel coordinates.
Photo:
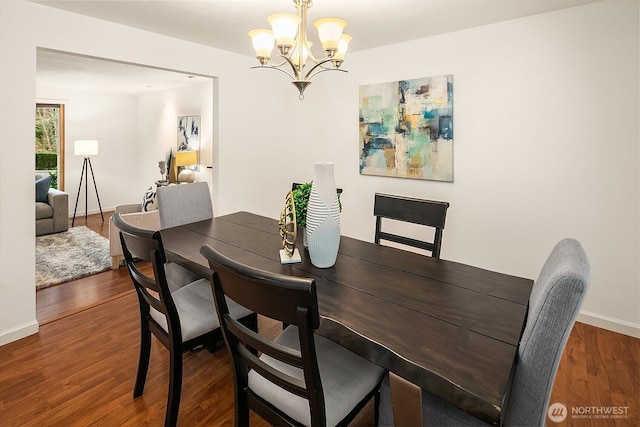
(54, 178)
(46, 129)
(47, 141)
(46, 161)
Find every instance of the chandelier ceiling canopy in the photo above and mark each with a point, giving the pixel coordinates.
(289, 33)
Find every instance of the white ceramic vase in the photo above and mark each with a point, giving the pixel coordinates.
(323, 217)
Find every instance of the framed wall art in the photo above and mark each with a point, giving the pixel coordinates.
(189, 136)
(406, 129)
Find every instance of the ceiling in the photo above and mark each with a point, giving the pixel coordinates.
(224, 24)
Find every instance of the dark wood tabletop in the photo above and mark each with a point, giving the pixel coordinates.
(450, 328)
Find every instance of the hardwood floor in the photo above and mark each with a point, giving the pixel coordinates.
(80, 369)
(63, 300)
(599, 371)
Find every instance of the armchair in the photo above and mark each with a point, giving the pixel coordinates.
(52, 216)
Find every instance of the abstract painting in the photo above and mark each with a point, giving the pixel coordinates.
(406, 129)
(189, 136)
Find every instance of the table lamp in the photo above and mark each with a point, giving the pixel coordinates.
(184, 159)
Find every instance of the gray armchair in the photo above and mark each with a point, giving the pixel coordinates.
(134, 215)
(52, 216)
(553, 306)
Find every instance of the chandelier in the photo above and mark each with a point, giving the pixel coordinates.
(289, 32)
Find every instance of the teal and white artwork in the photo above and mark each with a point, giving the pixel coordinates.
(406, 129)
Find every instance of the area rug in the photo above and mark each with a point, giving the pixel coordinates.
(70, 255)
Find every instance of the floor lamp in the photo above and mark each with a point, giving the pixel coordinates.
(86, 148)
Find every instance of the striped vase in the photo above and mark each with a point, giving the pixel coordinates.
(323, 217)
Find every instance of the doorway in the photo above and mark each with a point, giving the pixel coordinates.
(49, 141)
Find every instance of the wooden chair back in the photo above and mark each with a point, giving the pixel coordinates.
(418, 211)
(293, 301)
(146, 245)
(171, 291)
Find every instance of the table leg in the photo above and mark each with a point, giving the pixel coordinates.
(406, 400)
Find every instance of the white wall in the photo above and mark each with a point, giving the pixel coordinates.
(25, 27)
(17, 218)
(134, 133)
(111, 119)
(545, 145)
(157, 115)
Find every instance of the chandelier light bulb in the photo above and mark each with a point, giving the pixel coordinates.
(262, 43)
(329, 33)
(295, 55)
(338, 57)
(285, 29)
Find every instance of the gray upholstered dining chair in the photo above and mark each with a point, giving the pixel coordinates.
(180, 314)
(184, 203)
(299, 378)
(553, 306)
(429, 213)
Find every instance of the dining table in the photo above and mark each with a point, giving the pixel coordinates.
(449, 328)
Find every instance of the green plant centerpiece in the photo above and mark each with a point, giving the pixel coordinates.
(301, 200)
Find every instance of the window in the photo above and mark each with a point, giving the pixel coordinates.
(50, 142)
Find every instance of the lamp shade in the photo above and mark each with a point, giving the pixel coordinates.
(86, 147)
(295, 56)
(330, 32)
(285, 27)
(342, 47)
(262, 42)
(186, 158)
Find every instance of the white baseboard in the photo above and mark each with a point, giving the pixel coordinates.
(19, 332)
(93, 211)
(609, 323)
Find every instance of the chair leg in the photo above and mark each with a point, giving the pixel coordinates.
(242, 410)
(115, 262)
(385, 409)
(175, 387)
(143, 361)
(211, 342)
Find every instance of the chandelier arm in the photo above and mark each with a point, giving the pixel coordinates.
(273, 67)
(320, 65)
(322, 70)
(296, 73)
(276, 65)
